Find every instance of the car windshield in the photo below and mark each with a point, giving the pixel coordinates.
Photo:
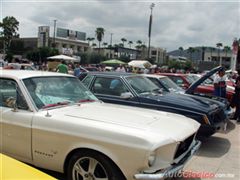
(57, 91)
(197, 77)
(169, 84)
(142, 85)
(190, 79)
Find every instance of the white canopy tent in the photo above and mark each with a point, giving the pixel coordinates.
(140, 64)
(63, 57)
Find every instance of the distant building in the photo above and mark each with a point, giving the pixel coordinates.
(117, 52)
(211, 55)
(158, 55)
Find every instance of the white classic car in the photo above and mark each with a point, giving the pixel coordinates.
(52, 121)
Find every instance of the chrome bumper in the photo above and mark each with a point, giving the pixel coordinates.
(169, 172)
(230, 113)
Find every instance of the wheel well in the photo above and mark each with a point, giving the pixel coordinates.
(87, 149)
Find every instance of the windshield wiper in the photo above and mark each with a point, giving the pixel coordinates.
(56, 104)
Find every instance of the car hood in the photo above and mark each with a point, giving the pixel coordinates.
(194, 85)
(143, 122)
(183, 101)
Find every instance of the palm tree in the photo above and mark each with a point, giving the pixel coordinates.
(89, 39)
(219, 45)
(139, 44)
(130, 44)
(9, 26)
(190, 51)
(123, 40)
(99, 34)
(181, 50)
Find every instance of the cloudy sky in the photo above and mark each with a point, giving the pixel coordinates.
(175, 23)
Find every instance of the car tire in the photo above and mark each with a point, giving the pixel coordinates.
(89, 164)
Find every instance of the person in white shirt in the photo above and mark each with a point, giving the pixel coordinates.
(120, 69)
(220, 84)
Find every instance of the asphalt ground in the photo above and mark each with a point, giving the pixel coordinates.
(218, 158)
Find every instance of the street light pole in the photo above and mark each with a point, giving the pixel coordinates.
(54, 33)
(150, 29)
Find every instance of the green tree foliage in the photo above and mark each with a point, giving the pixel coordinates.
(41, 54)
(187, 65)
(9, 28)
(123, 41)
(99, 34)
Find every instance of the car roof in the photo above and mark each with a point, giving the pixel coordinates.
(119, 74)
(22, 74)
(173, 74)
(154, 75)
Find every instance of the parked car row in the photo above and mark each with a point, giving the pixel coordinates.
(52, 121)
(147, 91)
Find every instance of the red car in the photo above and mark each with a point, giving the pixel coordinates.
(185, 80)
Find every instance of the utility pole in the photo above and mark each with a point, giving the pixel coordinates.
(54, 33)
(150, 29)
(111, 45)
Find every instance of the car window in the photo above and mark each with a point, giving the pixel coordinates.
(177, 80)
(10, 93)
(109, 86)
(87, 80)
(142, 84)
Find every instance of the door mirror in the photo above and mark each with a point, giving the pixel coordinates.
(126, 95)
(11, 103)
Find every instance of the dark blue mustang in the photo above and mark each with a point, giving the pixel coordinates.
(136, 90)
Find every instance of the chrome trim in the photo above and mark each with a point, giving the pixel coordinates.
(170, 171)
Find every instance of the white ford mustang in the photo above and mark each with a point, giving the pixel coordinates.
(52, 121)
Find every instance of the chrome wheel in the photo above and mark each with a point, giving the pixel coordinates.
(87, 168)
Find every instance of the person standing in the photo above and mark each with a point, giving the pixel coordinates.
(121, 69)
(236, 98)
(77, 70)
(220, 84)
(62, 68)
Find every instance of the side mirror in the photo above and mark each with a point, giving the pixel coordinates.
(11, 103)
(126, 95)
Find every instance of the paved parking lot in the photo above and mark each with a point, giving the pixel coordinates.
(219, 155)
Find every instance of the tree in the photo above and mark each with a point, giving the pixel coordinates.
(130, 44)
(99, 34)
(94, 45)
(181, 50)
(219, 45)
(191, 50)
(123, 40)
(139, 43)
(9, 28)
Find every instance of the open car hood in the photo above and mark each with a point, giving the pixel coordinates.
(193, 86)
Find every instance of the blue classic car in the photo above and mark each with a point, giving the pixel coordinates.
(136, 90)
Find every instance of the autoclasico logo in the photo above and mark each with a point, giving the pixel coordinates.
(195, 174)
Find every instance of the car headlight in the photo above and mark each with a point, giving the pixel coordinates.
(151, 158)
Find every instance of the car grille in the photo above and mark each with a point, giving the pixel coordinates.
(184, 146)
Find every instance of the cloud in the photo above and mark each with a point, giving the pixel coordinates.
(175, 24)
